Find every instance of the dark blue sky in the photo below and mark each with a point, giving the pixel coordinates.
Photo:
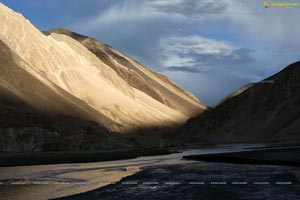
(209, 47)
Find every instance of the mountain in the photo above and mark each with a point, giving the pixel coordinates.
(267, 111)
(153, 84)
(64, 82)
(236, 92)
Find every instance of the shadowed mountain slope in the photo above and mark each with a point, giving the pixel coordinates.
(268, 110)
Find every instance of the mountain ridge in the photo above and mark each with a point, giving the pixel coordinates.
(267, 111)
(55, 77)
(76, 70)
(136, 76)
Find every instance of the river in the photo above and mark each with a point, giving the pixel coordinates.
(153, 177)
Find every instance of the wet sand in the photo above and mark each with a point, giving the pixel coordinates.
(41, 182)
(53, 181)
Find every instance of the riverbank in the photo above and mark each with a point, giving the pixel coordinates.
(58, 180)
(41, 158)
(274, 156)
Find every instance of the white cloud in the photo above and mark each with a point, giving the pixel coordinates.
(197, 44)
(130, 11)
(180, 51)
(190, 8)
